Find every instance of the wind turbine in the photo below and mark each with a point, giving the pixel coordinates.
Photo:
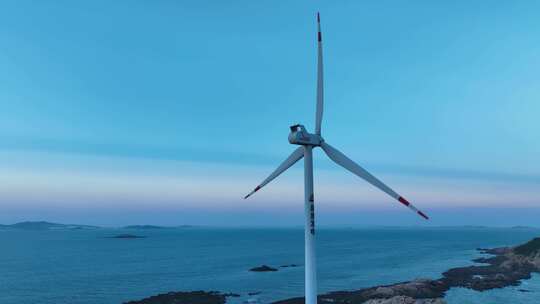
(307, 141)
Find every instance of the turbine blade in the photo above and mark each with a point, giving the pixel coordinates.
(291, 160)
(320, 89)
(342, 160)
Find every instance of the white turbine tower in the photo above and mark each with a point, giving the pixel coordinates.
(307, 141)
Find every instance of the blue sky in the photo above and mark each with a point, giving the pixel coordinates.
(168, 112)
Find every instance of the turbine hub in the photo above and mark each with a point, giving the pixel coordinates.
(300, 136)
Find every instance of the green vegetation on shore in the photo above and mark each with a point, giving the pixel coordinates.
(532, 247)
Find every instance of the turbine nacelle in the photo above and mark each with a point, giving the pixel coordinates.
(300, 136)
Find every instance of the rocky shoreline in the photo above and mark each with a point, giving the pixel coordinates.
(506, 267)
(190, 297)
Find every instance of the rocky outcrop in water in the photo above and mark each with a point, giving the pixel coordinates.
(192, 297)
(263, 268)
(289, 265)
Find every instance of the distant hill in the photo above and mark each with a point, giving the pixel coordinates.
(523, 227)
(149, 227)
(143, 227)
(42, 225)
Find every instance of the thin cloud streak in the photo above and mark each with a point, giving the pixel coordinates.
(205, 156)
(171, 184)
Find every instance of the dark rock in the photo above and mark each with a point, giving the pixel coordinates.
(263, 268)
(289, 265)
(193, 297)
(524, 290)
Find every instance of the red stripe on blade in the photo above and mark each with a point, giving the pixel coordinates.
(320, 36)
(257, 188)
(423, 215)
(403, 201)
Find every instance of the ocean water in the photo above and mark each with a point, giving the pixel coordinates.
(86, 267)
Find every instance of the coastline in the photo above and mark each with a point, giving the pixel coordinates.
(506, 266)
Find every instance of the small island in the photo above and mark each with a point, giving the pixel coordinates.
(263, 268)
(43, 225)
(288, 265)
(192, 297)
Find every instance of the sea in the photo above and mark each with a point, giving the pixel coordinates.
(87, 266)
